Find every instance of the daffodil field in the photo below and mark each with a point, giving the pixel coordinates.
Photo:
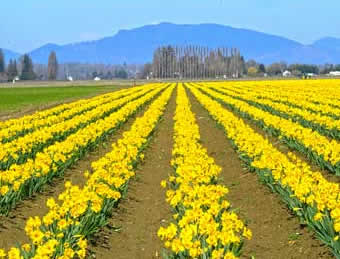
(286, 133)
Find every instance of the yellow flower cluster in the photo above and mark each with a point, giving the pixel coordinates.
(328, 149)
(306, 192)
(62, 233)
(27, 144)
(313, 95)
(55, 158)
(58, 114)
(273, 101)
(204, 227)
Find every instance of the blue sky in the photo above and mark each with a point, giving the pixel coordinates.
(28, 24)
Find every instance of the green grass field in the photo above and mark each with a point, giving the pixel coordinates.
(18, 99)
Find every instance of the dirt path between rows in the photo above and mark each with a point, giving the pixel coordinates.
(284, 148)
(12, 226)
(141, 213)
(276, 233)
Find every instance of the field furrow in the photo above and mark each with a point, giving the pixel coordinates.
(21, 127)
(176, 170)
(204, 225)
(137, 218)
(262, 210)
(24, 180)
(80, 212)
(325, 125)
(317, 148)
(21, 149)
(309, 196)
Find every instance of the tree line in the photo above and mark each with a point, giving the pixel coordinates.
(194, 61)
(277, 68)
(24, 70)
(168, 62)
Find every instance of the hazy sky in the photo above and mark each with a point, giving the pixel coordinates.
(28, 24)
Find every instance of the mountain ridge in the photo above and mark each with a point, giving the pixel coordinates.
(137, 45)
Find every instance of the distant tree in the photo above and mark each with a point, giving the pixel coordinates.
(275, 69)
(52, 69)
(108, 75)
(325, 69)
(2, 62)
(121, 73)
(304, 68)
(262, 68)
(147, 69)
(27, 72)
(94, 74)
(296, 73)
(101, 75)
(251, 63)
(12, 69)
(252, 71)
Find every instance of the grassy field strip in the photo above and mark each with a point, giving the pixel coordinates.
(26, 147)
(325, 125)
(320, 105)
(306, 193)
(19, 129)
(80, 212)
(317, 148)
(204, 225)
(55, 110)
(46, 113)
(23, 180)
(21, 126)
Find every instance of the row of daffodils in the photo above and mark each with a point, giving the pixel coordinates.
(318, 148)
(20, 181)
(313, 95)
(14, 128)
(325, 125)
(63, 231)
(301, 100)
(307, 193)
(22, 148)
(204, 226)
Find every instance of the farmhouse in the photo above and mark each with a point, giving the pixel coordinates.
(70, 78)
(286, 73)
(334, 73)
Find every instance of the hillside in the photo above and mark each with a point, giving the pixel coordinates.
(137, 45)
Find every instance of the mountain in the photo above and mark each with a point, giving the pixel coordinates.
(42, 53)
(329, 43)
(10, 55)
(331, 46)
(137, 45)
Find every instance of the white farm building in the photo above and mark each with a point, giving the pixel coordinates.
(334, 73)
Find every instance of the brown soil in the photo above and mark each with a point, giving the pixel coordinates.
(142, 212)
(276, 233)
(284, 148)
(12, 226)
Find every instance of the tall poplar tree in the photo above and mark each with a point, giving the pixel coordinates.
(27, 72)
(52, 69)
(2, 62)
(12, 69)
